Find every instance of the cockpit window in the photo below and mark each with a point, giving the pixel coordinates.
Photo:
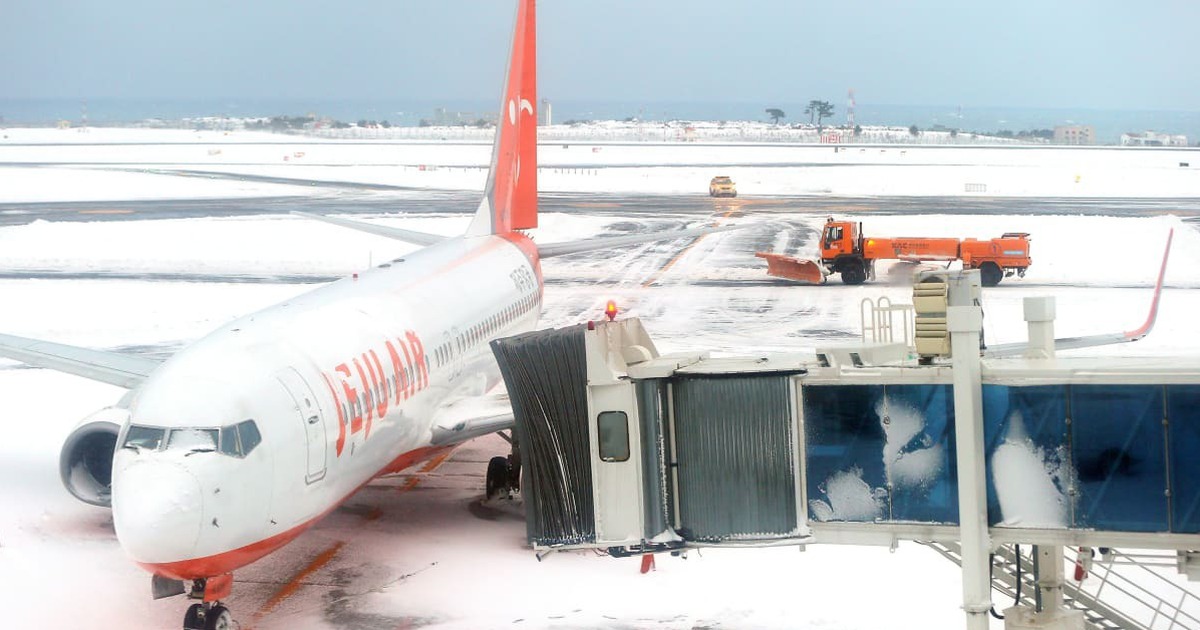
(239, 439)
(193, 439)
(248, 432)
(149, 438)
(229, 442)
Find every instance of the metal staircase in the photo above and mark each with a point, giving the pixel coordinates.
(1134, 597)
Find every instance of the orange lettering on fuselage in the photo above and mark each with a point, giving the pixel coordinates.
(381, 404)
(418, 352)
(410, 372)
(366, 400)
(337, 404)
(400, 369)
(351, 398)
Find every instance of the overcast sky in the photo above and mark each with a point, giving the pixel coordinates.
(1042, 53)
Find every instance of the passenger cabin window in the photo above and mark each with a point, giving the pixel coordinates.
(613, 430)
(149, 438)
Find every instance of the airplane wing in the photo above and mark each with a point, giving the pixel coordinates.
(604, 242)
(1103, 339)
(408, 236)
(114, 368)
(471, 418)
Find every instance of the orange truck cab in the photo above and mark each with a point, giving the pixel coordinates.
(846, 251)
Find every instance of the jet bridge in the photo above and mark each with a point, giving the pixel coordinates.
(631, 452)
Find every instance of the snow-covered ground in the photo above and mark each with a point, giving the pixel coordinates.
(45, 165)
(411, 554)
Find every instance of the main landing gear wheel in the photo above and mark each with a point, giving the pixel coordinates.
(504, 473)
(497, 478)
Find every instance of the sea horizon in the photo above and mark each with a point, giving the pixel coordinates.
(1109, 124)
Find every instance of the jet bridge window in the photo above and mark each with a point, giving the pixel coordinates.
(149, 438)
(613, 429)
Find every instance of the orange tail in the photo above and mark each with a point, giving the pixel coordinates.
(510, 198)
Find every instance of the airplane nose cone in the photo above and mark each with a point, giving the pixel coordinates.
(157, 508)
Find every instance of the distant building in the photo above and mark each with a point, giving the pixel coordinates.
(1152, 139)
(1075, 134)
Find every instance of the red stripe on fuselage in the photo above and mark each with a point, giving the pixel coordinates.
(230, 561)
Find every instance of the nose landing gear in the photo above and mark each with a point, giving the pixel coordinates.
(208, 616)
(211, 614)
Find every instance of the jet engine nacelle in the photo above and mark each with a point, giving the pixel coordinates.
(85, 462)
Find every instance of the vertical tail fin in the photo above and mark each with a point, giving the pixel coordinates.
(510, 198)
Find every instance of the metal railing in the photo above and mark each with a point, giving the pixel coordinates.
(878, 321)
(1136, 597)
(1144, 594)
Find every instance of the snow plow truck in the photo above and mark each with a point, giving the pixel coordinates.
(846, 251)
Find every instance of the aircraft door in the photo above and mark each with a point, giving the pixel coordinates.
(313, 421)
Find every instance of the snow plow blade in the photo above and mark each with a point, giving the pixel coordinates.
(789, 268)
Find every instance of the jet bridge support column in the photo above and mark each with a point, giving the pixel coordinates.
(1049, 613)
(964, 323)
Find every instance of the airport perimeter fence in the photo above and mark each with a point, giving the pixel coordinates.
(669, 134)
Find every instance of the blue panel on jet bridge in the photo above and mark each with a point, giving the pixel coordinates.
(1096, 457)
(1183, 413)
(879, 453)
(1025, 443)
(1118, 448)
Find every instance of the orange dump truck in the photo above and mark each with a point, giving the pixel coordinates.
(845, 251)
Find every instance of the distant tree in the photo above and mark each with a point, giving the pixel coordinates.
(362, 123)
(914, 131)
(385, 124)
(857, 130)
(953, 133)
(775, 114)
(824, 110)
(812, 109)
(818, 111)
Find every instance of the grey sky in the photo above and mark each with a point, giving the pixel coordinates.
(1043, 53)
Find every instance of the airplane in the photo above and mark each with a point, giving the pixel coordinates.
(234, 446)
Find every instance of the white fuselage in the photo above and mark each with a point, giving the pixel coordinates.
(342, 384)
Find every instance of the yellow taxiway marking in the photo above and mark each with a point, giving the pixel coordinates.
(289, 589)
(429, 467)
(293, 585)
(671, 263)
